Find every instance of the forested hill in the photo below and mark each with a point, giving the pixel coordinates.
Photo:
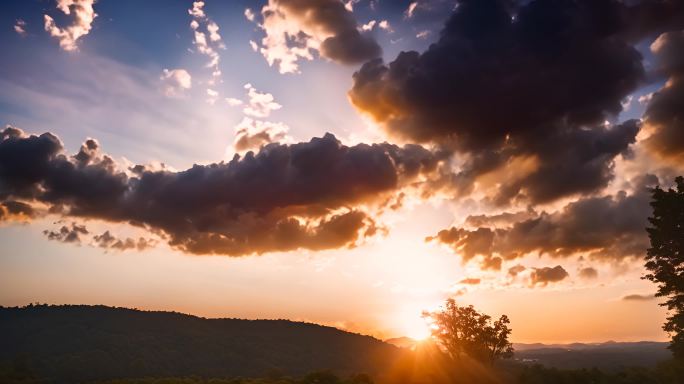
(74, 343)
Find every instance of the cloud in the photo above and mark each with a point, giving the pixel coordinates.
(212, 96)
(588, 273)
(78, 234)
(175, 82)
(515, 270)
(253, 134)
(67, 233)
(459, 91)
(638, 297)
(544, 276)
(20, 27)
(423, 34)
(249, 15)
(197, 10)
(259, 104)
(665, 111)
(385, 25)
(16, 211)
(369, 25)
(233, 102)
(109, 242)
(602, 227)
(408, 13)
(206, 39)
(470, 281)
(83, 15)
(309, 195)
(296, 29)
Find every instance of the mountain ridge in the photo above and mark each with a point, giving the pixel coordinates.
(55, 341)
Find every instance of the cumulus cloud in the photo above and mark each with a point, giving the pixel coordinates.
(665, 111)
(588, 273)
(253, 134)
(20, 27)
(109, 242)
(515, 270)
(249, 14)
(609, 227)
(259, 104)
(67, 233)
(297, 29)
(83, 17)
(16, 211)
(382, 24)
(385, 25)
(547, 275)
(233, 102)
(489, 88)
(308, 195)
(175, 82)
(470, 281)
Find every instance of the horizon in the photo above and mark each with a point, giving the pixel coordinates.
(386, 340)
(345, 163)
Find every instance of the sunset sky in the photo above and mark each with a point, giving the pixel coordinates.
(345, 163)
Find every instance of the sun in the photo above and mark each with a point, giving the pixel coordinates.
(418, 329)
(419, 334)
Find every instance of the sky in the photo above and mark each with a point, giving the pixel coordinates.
(350, 163)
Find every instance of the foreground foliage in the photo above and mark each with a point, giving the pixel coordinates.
(665, 258)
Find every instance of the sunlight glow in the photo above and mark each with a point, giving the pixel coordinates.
(418, 329)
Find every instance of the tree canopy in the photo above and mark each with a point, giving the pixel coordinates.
(665, 257)
(463, 331)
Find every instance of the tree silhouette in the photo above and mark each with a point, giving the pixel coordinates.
(463, 331)
(665, 258)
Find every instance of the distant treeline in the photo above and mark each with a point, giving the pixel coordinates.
(42, 344)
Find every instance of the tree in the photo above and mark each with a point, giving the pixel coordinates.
(463, 331)
(665, 258)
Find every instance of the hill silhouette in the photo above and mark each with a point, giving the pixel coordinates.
(79, 343)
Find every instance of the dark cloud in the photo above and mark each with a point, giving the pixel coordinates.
(605, 227)
(515, 270)
(535, 81)
(544, 276)
(67, 233)
(345, 43)
(285, 197)
(665, 111)
(247, 140)
(107, 241)
(500, 219)
(350, 47)
(16, 210)
(470, 281)
(638, 297)
(588, 273)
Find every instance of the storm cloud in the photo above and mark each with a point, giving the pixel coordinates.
(665, 112)
(610, 227)
(308, 195)
(532, 84)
